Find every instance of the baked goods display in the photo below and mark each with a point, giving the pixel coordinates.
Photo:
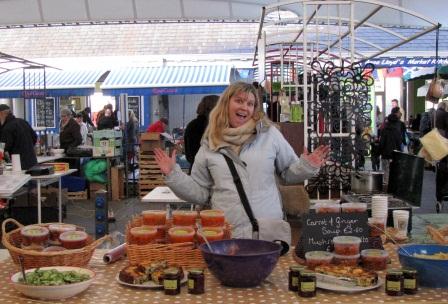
(147, 272)
(346, 275)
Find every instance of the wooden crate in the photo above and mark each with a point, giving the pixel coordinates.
(78, 195)
(150, 175)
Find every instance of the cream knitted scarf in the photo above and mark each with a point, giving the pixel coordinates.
(235, 137)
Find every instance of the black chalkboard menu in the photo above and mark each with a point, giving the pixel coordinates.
(318, 230)
(45, 113)
(134, 105)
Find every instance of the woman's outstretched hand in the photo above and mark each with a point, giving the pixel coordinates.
(318, 157)
(165, 162)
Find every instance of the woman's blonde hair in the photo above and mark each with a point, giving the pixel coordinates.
(219, 116)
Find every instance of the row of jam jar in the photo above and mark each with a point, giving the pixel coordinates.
(346, 251)
(143, 235)
(36, 237)
(184, 226)
(172, 281)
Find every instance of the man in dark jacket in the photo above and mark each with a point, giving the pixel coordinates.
(18, 136)
(70, 135)
(195, 128)
(392, 137)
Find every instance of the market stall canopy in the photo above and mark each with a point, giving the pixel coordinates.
(349, 30)
(169, 80)
(43, 12)
(57, 83)
(10, 62)
(424, 73)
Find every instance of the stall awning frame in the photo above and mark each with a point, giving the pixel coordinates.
(58, 83)
(169, 80)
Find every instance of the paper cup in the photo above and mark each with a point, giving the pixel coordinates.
(401, 221)
(15, 160)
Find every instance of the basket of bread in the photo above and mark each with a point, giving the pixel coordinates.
(50, 244)
(152, 236)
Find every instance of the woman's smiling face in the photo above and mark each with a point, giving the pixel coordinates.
(241, 108)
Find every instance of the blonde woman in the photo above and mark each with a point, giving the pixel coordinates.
(238, 128)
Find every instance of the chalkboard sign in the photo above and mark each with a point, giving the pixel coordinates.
(45, 113)
(318, 230)
(134, 105)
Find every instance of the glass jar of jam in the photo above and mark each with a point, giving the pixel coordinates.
(293, 277)
(171, 281)
(394, 282)
(196, 281)
(410, 281)
(307, 284)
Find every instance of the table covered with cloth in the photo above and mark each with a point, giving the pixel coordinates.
(106, 290)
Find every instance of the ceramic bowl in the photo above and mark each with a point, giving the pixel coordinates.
(431, 273)
(53, 292)
(241, 262)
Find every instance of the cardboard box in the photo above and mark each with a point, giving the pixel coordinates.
(106, 151)
(109, 133)
(150, 136)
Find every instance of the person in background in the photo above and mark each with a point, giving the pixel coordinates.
(158, 126)
(415, 125)
(86, 117)
(70, 135)
(396, 104)
(18, 136)
(102, 113)
(196, 128)
(106, 121)
(83, 127)
(239, 129)
(441, 124)
(392, 138)
(132, 130)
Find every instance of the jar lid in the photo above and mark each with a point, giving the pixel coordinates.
(171, 270)
(374, 253)
(395, 271)
(307, 273)
(319, 255)
(345, 239)
(296, 268)
(409, 270)
(196, 271)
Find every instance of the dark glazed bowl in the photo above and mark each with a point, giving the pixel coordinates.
(431, 273)
(241, 262)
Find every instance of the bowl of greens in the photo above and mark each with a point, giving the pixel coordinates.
(53, 283)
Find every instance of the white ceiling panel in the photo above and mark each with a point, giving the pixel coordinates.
(111, 10)
(158, 9)
(63, 10)
(246, 11)
(23, 12)
(208, 9)
(19, 12)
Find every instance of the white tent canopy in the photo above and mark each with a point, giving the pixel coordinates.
(42, 12)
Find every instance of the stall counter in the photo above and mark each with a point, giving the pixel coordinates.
(105, 289)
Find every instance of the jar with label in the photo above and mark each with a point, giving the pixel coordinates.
(307, 284)
(394, 282)
(293, 277)
(171, 281)
(196, 281)
(410, 284)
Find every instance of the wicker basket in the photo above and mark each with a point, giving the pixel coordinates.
(183, 254)
(33, 259)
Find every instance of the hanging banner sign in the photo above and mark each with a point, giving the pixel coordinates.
(31, 94)
(389, 62)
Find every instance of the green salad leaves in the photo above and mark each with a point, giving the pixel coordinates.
(54, 277)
